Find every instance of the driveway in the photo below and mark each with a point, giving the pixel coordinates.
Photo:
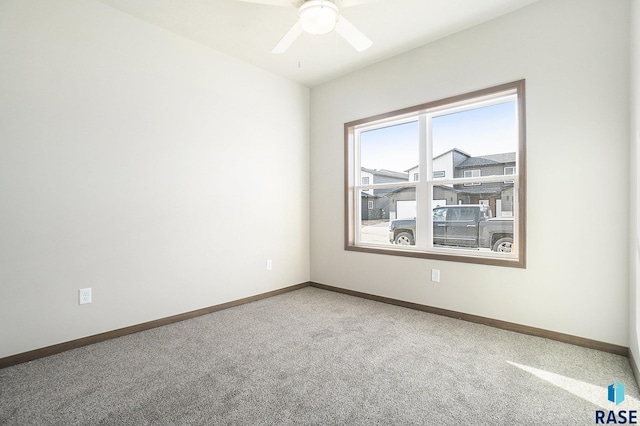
(377, 233)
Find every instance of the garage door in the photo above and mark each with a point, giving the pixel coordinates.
(406, 209)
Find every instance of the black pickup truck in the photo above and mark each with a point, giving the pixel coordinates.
(460, 225)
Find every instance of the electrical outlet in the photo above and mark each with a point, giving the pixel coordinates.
(84, 296)
(269, 265)
(435, 275)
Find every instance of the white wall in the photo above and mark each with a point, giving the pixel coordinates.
(574, 55)
(120, 151)
(634, 282)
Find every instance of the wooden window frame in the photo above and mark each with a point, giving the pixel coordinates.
(518, 260)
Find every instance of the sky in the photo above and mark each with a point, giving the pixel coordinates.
(480, 131)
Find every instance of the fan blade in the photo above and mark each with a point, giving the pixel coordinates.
(288, 38)
(286, 3)
(350, 33)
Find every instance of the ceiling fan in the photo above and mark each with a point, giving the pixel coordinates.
(319, 17)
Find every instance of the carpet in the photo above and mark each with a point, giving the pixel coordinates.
(317, 357)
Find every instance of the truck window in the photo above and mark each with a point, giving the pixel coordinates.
(439, 215)
(467, 214)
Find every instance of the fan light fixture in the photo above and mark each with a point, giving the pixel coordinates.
(318, 16)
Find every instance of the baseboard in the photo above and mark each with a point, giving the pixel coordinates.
(634, 367)
(78, 343)
(552, 335)
(504, 325)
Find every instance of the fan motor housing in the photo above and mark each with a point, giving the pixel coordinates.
(318, 16)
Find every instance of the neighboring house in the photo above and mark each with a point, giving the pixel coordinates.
(498, 196)
(400, 203)
(375, 203)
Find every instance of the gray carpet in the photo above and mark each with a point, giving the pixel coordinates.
(317, 357)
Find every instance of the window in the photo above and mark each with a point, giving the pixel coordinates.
(465, 211)
(510, 170)
(365, 180)
(370, 205)
(471, 174)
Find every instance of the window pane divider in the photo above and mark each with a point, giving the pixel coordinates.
(423, 199)
(407, 184)
(480, 179)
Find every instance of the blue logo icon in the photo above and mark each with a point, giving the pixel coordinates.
(616, 392)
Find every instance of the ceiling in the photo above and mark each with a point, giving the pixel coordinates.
(249, 31)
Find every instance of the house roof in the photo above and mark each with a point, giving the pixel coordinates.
(487, 160)
(452, 150)
(484, 160)
(443, 154)
(387, 173)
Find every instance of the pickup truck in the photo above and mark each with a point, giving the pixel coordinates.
(459, 225)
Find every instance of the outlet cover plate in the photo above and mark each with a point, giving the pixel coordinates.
(84, 295)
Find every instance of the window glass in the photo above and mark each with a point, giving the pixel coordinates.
(479, 140)
(389, 154)
(393, 148)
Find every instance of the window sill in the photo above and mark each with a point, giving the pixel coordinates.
(445, 254)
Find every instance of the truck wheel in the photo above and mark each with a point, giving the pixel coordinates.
(503, 245)
(404, 239)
